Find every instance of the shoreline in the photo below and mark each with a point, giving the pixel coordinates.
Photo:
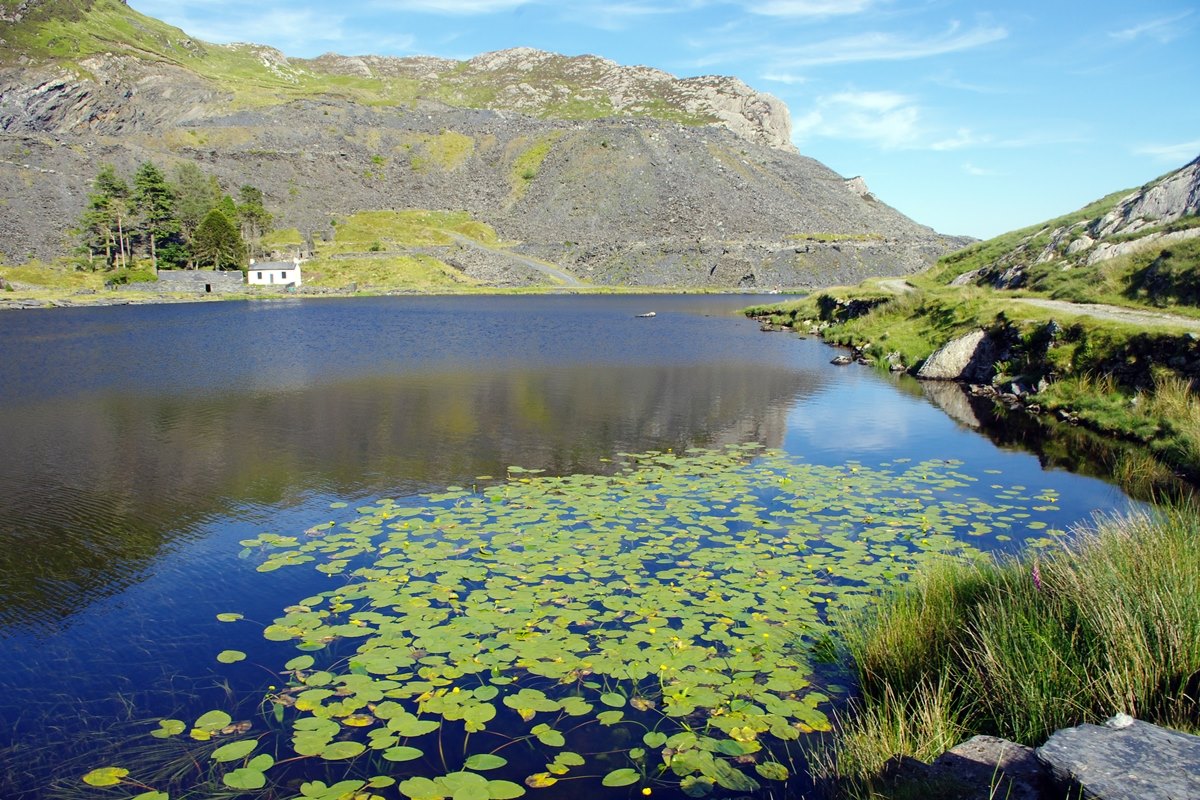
(37, 299)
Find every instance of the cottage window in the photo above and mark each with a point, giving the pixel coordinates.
(260, 276)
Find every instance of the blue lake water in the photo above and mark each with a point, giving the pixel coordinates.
(138, 445)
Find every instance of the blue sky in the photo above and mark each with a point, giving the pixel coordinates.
(971, 117)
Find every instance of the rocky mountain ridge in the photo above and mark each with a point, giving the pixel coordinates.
(1150, 217)
(620, 174)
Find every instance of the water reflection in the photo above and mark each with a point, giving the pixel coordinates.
(91, 492)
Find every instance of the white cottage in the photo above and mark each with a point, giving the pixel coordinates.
(274, 273)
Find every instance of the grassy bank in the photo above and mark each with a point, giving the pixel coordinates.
(1131, 381)
(1023, 647)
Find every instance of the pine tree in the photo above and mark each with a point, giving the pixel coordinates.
(153, 202)
(253, 216)
(194, 198)
(106, 217)
(217, 242)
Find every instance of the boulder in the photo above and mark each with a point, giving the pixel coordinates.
(969, 358)
(1125, 760)
(994, 768)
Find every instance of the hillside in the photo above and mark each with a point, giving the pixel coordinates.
(1138, 246)
(620, 175)
(1091, 319)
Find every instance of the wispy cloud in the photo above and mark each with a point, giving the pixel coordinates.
(948, 80)
(887, 119)
(1180, 153)
(613, 16)
(886, 46)
(1163, 29)
(961, 139)
(785, 77)
(458, 8)
(809, 8)
(979, 172)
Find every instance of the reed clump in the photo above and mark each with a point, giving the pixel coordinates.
(1019, 648)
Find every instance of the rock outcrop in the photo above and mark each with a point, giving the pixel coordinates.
(970, 358)
(1125, 759)
(1152, 216)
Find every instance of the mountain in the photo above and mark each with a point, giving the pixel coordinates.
(1142, 243)
(620, 175)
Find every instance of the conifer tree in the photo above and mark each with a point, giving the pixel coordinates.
(218, 243)
(106, 217)
(154, 205)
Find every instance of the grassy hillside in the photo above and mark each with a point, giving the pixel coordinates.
(67, 32)
(1021, 244)
(1135, 379)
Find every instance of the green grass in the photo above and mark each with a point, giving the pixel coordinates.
(528, 161)
(415, 272)
(37, 275)
(67, 32)
(446, 151)
(987, 252)
(1020, 648)
(373, 251)
(410, 228)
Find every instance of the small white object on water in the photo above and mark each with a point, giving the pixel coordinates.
(1119, 722)
(648, 314)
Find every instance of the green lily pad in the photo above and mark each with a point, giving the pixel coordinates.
(621, 777)
(244, 778)
(484, 762)
(234, 751)
(105, 776)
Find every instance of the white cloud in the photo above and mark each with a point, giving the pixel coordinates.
(785, 77)
(948, 80)
(460, 8)
(809, 8)
(979, 172)
(1163, 30)
(888, 119)
(613, 16)
(962, 138)
(1180, 153)
(879, 46)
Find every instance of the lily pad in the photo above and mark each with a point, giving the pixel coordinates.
(105, 776)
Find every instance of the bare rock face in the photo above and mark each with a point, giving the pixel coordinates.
(1129, 760)
(1165, 201)
(754, 115)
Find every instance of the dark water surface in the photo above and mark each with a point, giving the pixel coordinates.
(139, 444)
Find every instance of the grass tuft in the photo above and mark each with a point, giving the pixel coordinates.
(1020, 648)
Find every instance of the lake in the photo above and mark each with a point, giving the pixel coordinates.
(675, 490)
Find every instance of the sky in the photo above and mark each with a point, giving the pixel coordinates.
(973, 117)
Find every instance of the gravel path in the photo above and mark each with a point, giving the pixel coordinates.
(1114, 313)
(549, 270)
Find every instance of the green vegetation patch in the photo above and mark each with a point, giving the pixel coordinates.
(410, 228)
(416, 272)
(446, 151)
(1030, 240)
(1021, 648)
(528, 161)
(658, 626)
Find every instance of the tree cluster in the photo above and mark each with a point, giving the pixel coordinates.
(184, 221)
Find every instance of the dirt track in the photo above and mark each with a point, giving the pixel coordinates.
(1114, 313)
